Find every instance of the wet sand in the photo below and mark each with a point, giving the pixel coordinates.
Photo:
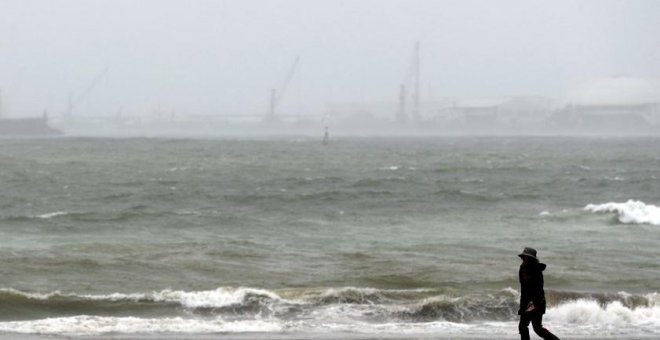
(289, 336)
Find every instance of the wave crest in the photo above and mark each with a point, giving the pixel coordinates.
(593, 313)
(228, 310)
(630, 212)
(414, 305)
(365, 296)
(501, 306)
(221, 297)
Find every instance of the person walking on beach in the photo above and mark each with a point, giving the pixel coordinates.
(532, 296)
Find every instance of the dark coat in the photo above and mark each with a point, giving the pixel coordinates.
(531, 286)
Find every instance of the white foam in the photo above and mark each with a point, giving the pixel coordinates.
(582, 317)
(36, 296)
(630, 212)
(612, 318)
(86, 325)
(511, 291)
(52, 214)
(221, 297)
(367, 290)
(94, 325)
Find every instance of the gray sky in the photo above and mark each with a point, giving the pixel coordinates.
(222, 57)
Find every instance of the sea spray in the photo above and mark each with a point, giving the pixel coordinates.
(630, 212)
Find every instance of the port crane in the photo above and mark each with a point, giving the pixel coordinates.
(75, 101)
(413, 77)
(276, 97)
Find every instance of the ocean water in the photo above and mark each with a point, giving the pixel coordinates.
(362, 238)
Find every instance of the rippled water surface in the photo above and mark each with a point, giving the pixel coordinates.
(387, 236)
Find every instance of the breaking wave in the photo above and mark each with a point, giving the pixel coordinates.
(53, 214)
(588, 312)
(244, 309)
(630, 212)
(166, 302)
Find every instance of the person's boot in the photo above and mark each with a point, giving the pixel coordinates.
(550, 336)
(546, 335)
(524, 333)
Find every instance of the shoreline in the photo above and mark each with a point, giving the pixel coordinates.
(292, 336)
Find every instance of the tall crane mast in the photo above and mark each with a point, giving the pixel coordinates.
(416, 70)
(412, 80)
(401, 114)
(74, 101)
(275, 97)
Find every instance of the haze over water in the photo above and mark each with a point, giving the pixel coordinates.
(138, 61)
(164, 171)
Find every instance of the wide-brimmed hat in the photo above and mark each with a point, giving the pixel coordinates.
(529, 252)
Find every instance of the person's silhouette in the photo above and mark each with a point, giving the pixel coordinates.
(532, 296)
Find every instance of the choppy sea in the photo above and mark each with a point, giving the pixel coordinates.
(361, 238)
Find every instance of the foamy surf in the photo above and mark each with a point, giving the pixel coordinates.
(581, 318)
(52, 214)
(218, 298)
(97, 325)
(351, 310)
(630, 212)
(613, 315)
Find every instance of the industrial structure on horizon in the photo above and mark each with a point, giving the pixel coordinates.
(613, 105)
(609, 105)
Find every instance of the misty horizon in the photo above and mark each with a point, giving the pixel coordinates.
(224, 57)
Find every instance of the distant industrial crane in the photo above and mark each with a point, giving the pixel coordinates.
(275, 97)
(416, 74)
(413, 77)
(75, 101)
(401, 116)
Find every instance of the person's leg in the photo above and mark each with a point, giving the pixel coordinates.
(522, 326)
(537, 324)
